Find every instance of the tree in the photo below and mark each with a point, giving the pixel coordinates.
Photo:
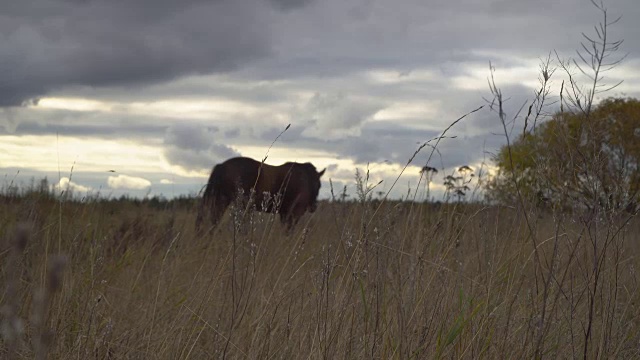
(575, 159)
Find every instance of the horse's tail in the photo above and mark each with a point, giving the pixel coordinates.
(208, 197)
(214, 182)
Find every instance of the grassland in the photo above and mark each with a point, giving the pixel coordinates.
(355, 280)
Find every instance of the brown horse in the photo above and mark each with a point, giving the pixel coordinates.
(289, 189)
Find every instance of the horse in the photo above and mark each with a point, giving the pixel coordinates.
(290, 189)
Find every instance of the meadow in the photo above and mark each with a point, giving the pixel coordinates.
(360, 279)
(552, 275)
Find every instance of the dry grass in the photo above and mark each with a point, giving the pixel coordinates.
(454, 281)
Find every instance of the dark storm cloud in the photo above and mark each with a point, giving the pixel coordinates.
(50, 44)
(190, 87)
(194, 147)
(333, 38)
(134, 131)
(289, 4)
(82, 124)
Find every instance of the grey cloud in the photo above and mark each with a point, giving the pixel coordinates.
(289, 137)
(463, 150)
(377, 142)
(52, 44)
(386, 141)
(486, 123)
(337, 110)
(198, 161)
(334, 115)
(289, 4)
(8, 120)
(238, 88)
(382, 141)
(389, 141)
(232, 133)
(105, 125)
(85, 124)
(133, 131)
(189, 137)
(194, 148)
(336, 37)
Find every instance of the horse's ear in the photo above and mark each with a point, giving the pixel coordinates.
(321, 172)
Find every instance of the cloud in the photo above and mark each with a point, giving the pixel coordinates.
(188, 136)
(166, 182)
(128, 182)
(336, 115)
(52, 44)
(9, 122)
(65, 184)
(232, 133)
(289, 4)
(194, 148)
(383, 141)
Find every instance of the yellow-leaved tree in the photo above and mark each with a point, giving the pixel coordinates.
(575, 159)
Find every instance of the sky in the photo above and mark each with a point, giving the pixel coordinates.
(144, 97)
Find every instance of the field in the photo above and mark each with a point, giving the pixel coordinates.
(355, 280)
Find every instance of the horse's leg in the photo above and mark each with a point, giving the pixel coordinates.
(287, 219)
(291, 216)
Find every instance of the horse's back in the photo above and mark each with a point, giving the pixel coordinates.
(242, 172)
